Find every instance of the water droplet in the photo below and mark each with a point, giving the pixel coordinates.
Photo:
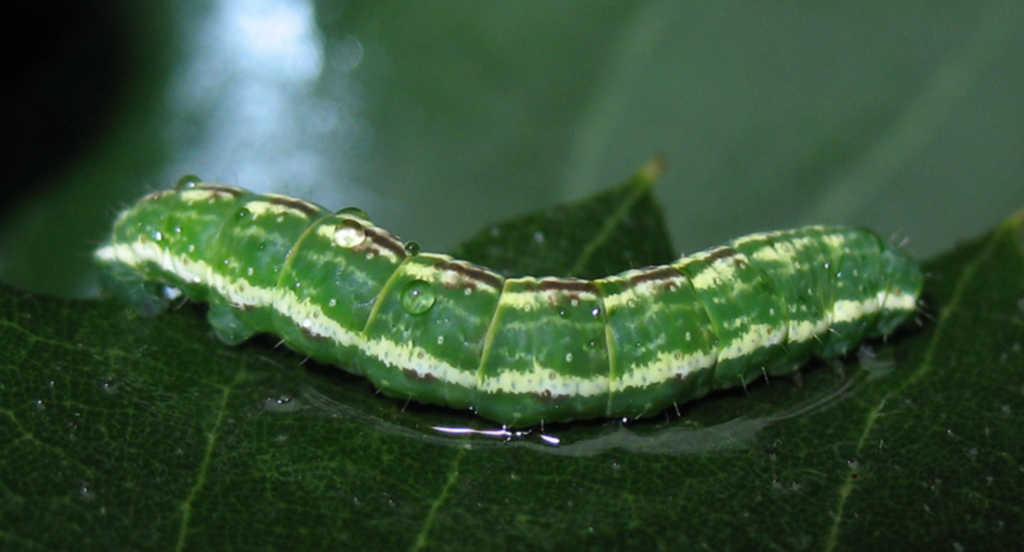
(417, 297)
(332, 303)
(538, 236)
(412, 248)
(242, 212)
(563, 313)
(355, 212)
(158, 235)
(568, 357)
(282, 403)
(349, 233)
(595, 312)
(84, 492)
(109, 386)
(188, 181)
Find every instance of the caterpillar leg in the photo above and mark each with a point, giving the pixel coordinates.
(227, 326)
(147, 297)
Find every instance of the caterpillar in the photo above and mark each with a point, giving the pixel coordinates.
(518, 351)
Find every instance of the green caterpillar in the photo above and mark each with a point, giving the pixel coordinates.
(519, 351)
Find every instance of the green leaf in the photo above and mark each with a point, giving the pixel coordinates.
(611, 232)
(124, 432)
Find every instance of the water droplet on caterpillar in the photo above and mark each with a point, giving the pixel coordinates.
(187, 182)
(349, 233)
(418, 297)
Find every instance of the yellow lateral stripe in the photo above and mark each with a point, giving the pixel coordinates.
(666, 366)
(543, 380)
(758, 336)
(539, 380)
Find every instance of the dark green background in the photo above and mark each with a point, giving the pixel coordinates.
(441, 117)
(444, 117)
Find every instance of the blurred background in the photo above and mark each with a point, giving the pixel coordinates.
(439, 118)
